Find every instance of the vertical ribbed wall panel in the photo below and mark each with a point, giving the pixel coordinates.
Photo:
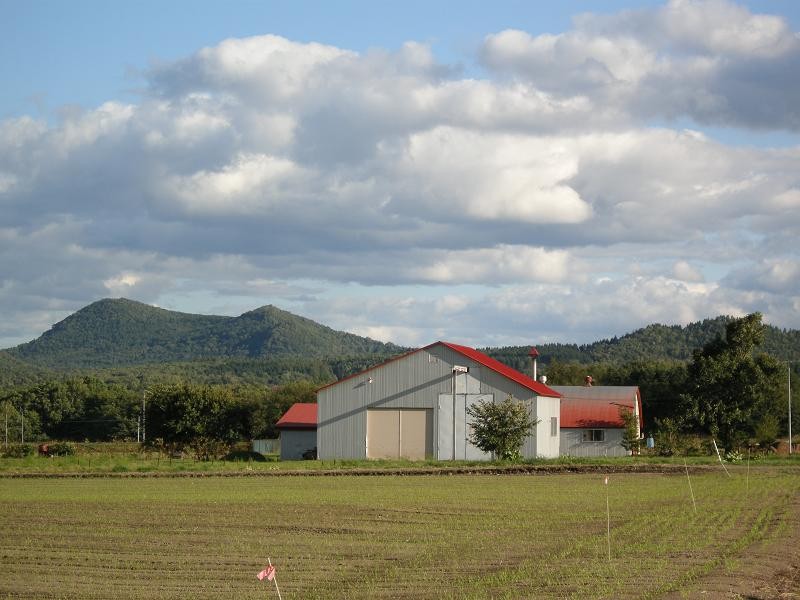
(412, 381)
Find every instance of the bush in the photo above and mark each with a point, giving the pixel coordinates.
(767, 432)
(61, 449)
(18, 451)
(668, 438)
(500, 428)
(245, 456)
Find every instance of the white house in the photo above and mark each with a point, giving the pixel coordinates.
(591, 424)
(414, 406)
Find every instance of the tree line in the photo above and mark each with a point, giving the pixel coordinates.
(85, 408)
(729, 389)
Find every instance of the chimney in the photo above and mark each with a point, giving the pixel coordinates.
(588, 381)
(534, 354)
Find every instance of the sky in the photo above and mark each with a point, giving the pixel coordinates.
(490, 174)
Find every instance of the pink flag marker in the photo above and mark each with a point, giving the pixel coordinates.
(268, 573)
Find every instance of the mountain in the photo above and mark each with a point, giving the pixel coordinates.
(122, 333)
(651, 343)
(135, 345)
(14, 372)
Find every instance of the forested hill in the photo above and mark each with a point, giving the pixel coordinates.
(117, 333)
(652, 343)
(135, 344)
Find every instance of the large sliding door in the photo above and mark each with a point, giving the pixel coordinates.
(399, 433)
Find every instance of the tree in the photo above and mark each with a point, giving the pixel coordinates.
(500, 428)
(729, 384)
(630, 432)
(268, 406)
(204, 419)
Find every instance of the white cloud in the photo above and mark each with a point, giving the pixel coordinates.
(709, 60)
(683, 271)
(534, 201)
(501, 264)
(495, 176)
(721, 27)
(249, 184)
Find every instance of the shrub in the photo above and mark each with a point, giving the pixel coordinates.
(734, 456)
(630, 434)
(61, 449)
(500, 428)
(767, 433)
(245, 455)
(18, 451)
(668, 437)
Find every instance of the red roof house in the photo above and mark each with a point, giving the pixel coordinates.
(298, 427)
(591, 424)
(301, 415)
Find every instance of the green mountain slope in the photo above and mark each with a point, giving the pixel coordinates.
(136, 344)
(14, 372)
(119, 333)
(651, 343)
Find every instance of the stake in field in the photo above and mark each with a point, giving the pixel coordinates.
(381, 537)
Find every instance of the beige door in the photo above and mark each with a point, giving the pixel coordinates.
(383, 433)
(395, 433)
(416, 433)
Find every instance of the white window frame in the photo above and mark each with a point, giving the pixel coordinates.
(553, 426)
(588, 436)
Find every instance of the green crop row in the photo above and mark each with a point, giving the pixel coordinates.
(462, 536)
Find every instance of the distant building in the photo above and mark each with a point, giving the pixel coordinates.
(298, 431)
(414, 406)
(590, 418)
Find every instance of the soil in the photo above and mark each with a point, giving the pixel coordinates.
(769, 570)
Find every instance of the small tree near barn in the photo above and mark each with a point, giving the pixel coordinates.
(630, 432)
(500, 428)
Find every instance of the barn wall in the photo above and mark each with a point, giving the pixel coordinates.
(296, 441)
(548, 445)
(413, 381)
(572, 444)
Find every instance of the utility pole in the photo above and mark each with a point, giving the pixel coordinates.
(789, 364)
(144, 396)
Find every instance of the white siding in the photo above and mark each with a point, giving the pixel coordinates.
(572, 444)
(412, 381)
(547, 445)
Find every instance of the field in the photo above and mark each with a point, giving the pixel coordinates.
(456, 536)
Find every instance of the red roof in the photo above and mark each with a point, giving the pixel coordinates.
(301, 415)
(479, 357)
(597, 406)
(495, 365)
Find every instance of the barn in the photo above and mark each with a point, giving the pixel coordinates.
(414, 406)
(590, 418)
(298, 430)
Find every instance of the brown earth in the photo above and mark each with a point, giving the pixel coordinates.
(769, 570)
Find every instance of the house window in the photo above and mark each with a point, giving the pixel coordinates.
(553, 426)
(594, 435)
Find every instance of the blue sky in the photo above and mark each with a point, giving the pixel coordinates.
(47, 45)
(488, 173)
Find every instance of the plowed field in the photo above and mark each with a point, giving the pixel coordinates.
(457, 536)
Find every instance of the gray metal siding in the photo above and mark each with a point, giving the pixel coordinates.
(294, 442)
(413, 381)
(572, 443)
